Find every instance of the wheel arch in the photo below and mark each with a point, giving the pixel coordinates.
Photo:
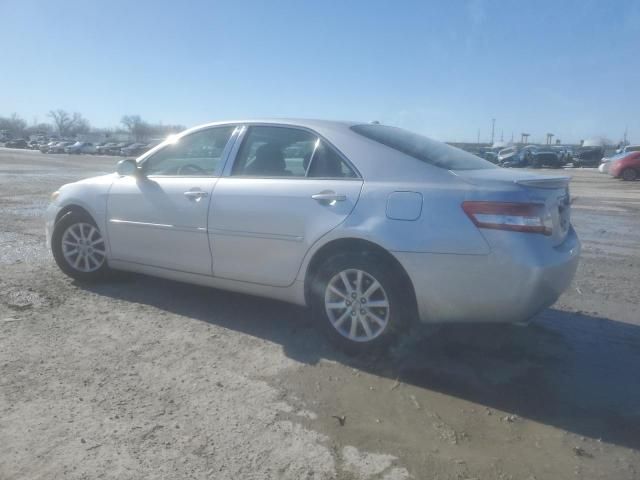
(73, 208)
(356, 245)
(633, 168)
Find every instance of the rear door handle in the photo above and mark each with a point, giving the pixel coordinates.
(329, 197)
(195, 194)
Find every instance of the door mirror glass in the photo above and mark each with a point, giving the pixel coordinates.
(127, 167)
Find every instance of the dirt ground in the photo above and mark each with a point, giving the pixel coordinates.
(147, 378)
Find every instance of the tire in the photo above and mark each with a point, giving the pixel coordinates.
(367, 328)
(79, 229)
(629, 174)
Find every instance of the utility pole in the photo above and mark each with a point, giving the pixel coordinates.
(626, 130)
(502, 135)
(493, 127)
(478, 136)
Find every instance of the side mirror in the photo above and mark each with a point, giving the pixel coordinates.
(127, 167)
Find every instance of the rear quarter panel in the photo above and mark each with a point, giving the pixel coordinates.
(442, 226)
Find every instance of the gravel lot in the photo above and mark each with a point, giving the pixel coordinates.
(146, 378)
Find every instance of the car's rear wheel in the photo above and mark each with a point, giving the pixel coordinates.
(629, 174)
(79, 248)
(359, 302)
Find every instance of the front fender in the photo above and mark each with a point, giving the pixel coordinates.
(90, 195)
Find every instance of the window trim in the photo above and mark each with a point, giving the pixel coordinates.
(223, 158)
(242, 135)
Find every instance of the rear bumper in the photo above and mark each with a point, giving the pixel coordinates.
(508, 285)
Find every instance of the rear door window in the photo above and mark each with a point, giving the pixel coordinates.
(274, 152)
(270, 151)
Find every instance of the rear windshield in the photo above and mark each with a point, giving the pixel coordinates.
(429, 151)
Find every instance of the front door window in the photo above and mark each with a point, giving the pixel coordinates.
(198, 154)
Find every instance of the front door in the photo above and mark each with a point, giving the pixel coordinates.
(284, 191)
(159, 217)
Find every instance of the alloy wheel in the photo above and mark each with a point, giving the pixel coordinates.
(357, 305)
(83, 247)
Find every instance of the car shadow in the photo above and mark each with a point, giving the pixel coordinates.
(569, 370)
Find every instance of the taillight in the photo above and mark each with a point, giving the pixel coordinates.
(516, 217)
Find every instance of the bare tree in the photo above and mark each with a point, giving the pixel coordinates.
(141, 130)
(79, 124)
(69, 124)
(14, 125)
(138, 128)
(62, 120)
(39, 129)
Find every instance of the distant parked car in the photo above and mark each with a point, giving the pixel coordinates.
(606, 162)
(519, 160)
(489, 154)
(59, 147)
(628, 148)
(523, 158)
(135, 149)
(545, 156)
(104, 148)
(627, 167)
(33, 145)
(80, 147)
(117, 148)
(506, 153)
(44, 147)
(565, 154)
(18, 143)
(588, 156)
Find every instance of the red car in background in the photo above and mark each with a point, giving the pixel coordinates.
(627, 167)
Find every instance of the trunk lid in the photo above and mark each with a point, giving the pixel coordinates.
(550, 190)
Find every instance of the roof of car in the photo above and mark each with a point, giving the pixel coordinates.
(314, 124)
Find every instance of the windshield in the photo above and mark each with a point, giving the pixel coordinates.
(423, 148)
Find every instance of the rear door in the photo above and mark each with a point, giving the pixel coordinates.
(159, 218)
(285, 189)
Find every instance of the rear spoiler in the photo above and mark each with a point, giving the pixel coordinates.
(550, 183)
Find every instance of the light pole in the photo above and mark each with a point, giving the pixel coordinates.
(493, 128)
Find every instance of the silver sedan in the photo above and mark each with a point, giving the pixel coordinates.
(371, 226)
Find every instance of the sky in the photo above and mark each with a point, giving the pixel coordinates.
(443, 69)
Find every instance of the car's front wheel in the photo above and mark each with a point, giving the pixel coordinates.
(359, 301)
(629, 174)
(79, 248)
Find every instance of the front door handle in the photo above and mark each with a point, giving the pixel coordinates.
(195, 194)
(329, 197)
